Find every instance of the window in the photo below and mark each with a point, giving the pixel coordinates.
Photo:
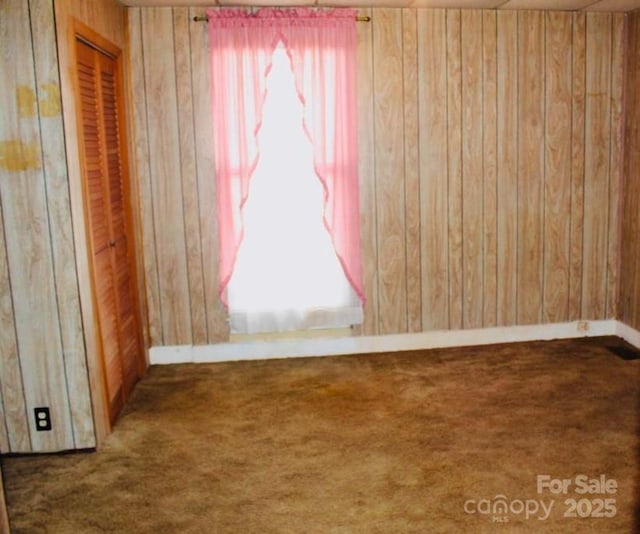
(286, 168)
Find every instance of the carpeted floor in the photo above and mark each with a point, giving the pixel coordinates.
(393, 443)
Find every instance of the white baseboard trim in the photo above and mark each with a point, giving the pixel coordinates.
(295, 348)
(630, 335)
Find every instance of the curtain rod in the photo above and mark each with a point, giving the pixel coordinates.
(358, 19)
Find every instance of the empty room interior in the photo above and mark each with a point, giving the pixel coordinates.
(319, 266)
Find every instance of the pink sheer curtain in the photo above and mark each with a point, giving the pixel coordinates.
(321, 46)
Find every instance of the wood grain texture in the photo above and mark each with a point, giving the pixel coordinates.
(432, 95)
(8, 343)
(4, 433)
(578, 80)
(141, 171)
(15, 431)
(507, 209)
(472, 169)
(490, 166)
(182, 48)
(136, 247)
(531, 123)
(557, 170)
(616, 164)
(367, 176)
(104, 16)
(632, 192)
(464, 127)
(454, 168)
(164, 167)
(596, 172)
(59, 210)
(627, 240)
(28, 244)
(411, 168)
(632, 186)
(630, 246)
(217, 325)
(389, 169)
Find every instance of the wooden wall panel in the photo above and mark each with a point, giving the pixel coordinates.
(454, 170)
(531, 82)
(14, 435)
(59, 208)
(632, 192)
(472, 167)
(8, 346)
(432, 95)
(630, 249)
(490, 166)
(557, 170)
(507, 208)
(389, 170)
(616, 164)
(182, 47)
(4, 433)
(411, 168)
(217, 325)
(631, 246)
(578, 80)
(140, 150)
(106, 17)
(366, 157)
(25, 175)
(164, 167)
(181, 60)
(596, 172)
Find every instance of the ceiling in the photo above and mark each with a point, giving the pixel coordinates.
(563, 5)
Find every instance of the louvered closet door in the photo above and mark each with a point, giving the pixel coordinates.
(105, 202)
(127, 325)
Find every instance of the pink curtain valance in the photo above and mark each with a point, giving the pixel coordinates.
(273, 17)
(321, 45)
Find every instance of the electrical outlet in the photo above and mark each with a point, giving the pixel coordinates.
(43, 418)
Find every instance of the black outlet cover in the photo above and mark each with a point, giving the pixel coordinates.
(43, 418)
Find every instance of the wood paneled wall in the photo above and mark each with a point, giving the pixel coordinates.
(630, 241)
(172, 113)
(43, 360)
(519, 143)
(490, 163)
(48, 355)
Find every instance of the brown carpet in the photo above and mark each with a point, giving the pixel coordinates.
(390, 443)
